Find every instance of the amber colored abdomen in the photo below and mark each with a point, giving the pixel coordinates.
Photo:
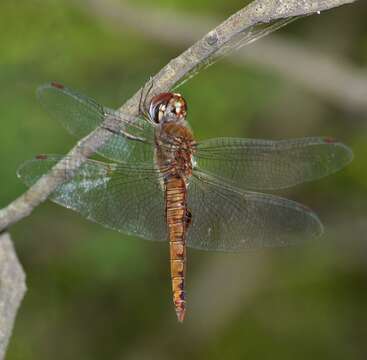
(176, 222)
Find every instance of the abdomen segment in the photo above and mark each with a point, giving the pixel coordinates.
(176, 221)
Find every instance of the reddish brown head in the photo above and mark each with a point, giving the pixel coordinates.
(167, 107)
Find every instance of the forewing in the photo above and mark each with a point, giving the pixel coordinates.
(80, 115)
(120, 197)
(265, 164)
(229, 219)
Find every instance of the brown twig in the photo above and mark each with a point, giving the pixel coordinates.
(240, 24)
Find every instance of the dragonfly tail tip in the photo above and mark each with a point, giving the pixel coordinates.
(180, 315)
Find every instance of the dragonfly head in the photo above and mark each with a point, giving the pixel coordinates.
(167, 107)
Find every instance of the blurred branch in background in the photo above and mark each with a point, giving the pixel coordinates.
(249, 24)
(12, 289)
(331, 78)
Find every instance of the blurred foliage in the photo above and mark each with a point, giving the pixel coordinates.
(94, 293)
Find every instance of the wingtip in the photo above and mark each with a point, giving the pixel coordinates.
(347, 151)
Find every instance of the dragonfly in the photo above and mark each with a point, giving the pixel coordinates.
(159, 183)
(164, 185)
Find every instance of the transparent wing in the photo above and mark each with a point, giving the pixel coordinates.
(124, 198)
(229, 219)
(80, 115)
(268, 165)
(247, 36)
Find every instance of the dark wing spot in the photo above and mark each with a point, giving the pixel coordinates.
(329, 140)
(57, 85)
(41, 157)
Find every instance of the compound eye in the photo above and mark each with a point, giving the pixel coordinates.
(179, 106)
(156, 117)
(161, 111)
(158, 106)
(156, 112)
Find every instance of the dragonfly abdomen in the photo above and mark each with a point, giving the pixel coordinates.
(176, 210)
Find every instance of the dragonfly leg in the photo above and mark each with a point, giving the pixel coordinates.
(143, 101)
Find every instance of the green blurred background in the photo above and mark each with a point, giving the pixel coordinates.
(97, 294)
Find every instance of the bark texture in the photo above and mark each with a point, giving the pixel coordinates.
(12, 289)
